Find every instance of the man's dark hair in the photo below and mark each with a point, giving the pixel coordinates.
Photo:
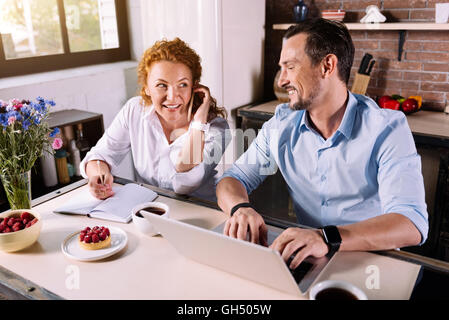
(326, 37)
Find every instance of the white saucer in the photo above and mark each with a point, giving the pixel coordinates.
(71, 248)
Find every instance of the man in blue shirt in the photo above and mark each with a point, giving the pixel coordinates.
(351, 168)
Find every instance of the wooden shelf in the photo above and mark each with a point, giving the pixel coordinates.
(398, 26)
(382, 26)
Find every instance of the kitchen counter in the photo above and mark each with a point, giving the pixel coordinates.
(423, 123)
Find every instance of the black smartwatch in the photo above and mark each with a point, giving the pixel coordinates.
(332, 238)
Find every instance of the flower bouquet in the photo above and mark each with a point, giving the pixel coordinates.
(24, 136)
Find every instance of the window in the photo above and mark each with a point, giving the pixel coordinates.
(45, 35)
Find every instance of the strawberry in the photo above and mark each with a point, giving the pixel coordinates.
(95, 238)
(26, 215)
(103, 236)
(11, 222)
(87, 239)
(7, 230)
(18, 225)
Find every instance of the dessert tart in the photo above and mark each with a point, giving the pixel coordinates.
(95, 238)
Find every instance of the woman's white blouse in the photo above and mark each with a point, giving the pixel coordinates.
(137, 128)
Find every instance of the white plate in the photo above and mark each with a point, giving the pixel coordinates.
(71, 248)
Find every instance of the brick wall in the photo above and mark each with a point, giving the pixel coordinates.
(423, 70)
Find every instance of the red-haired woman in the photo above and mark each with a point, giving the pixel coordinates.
(174, 129)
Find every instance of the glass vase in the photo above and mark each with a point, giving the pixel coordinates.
(300, 11)
(18, 189)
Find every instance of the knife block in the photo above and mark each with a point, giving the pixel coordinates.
(360, 83)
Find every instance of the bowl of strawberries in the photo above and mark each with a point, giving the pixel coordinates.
(19, 229)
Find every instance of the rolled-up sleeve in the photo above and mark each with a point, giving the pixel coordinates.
(113, 145)
(257, 162)
(216, 140)
(401, 185)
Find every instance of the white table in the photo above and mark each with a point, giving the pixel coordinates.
(150, 268)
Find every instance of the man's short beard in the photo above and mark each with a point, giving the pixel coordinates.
(301, 105)
(304, 104)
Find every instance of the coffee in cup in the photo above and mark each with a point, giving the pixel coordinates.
(143, 224)
(155, 210)
(336, 290)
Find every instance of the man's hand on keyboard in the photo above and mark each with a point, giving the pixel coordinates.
(303, 242)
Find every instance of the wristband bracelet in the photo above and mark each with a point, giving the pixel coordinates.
(241, 205)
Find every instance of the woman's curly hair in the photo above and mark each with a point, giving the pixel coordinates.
(175, 51)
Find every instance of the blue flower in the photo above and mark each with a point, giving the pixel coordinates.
(26, 124)
(37, 120)
(54, 132)
(4, 120)
(38, 107)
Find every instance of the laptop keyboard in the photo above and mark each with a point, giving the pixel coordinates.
(300, 272)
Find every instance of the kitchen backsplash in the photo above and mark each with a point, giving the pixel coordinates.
(423, 70)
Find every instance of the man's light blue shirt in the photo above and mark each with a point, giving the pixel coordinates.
(368, 167)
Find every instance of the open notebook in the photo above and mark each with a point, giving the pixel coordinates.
(116, 208)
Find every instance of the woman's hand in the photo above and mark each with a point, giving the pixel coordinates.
(203, 110)
(98, 190)
(95, 170)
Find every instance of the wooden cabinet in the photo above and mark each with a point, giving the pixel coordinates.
(93, 129)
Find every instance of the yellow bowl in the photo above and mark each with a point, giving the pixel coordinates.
(18, 240)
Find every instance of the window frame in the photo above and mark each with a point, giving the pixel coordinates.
(29, 65)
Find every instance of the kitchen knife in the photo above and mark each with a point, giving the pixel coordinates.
(368, 72)
(365, 63)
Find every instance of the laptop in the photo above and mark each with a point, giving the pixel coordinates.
(242, 258)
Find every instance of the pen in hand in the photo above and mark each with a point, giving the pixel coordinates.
(100, 173)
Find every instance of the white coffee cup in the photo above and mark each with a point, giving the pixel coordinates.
(142, 224)
(349, 288)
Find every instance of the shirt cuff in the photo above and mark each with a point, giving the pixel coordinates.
(189, 181)
(91, 157)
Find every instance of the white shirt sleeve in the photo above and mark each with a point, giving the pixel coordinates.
(216, 140)
(114, 144)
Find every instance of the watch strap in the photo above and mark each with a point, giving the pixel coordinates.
(240, 205)
(200, 126)
(332, 238)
